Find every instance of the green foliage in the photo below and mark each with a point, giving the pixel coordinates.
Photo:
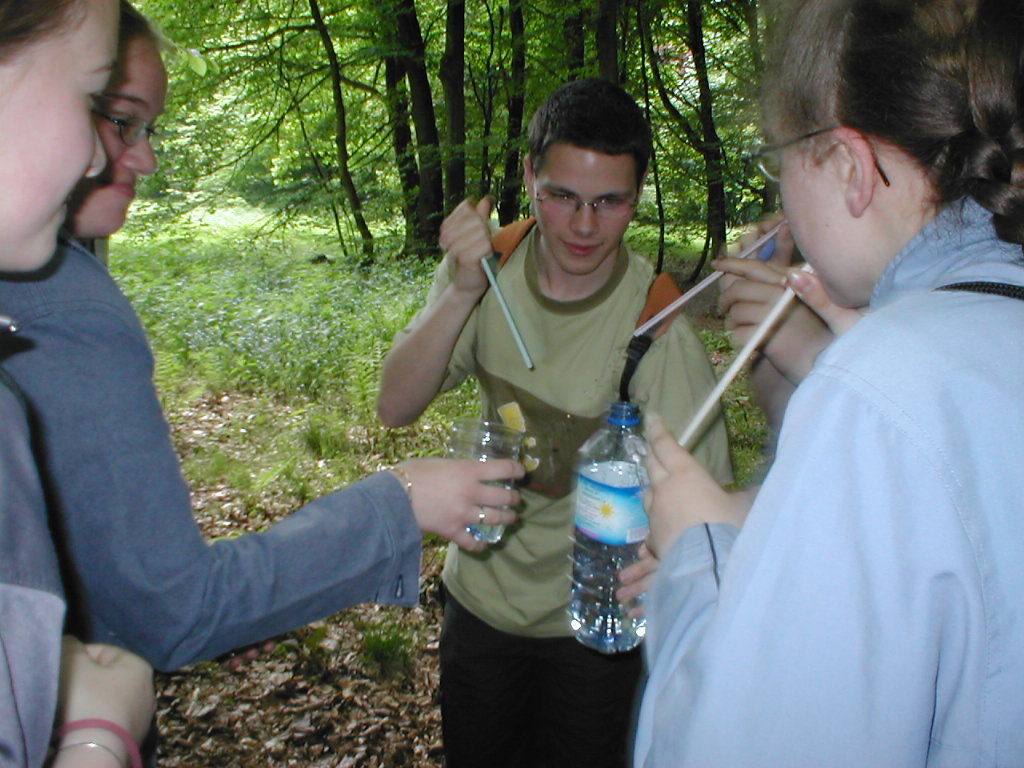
(265, 319)
(748, 428)
(292, 351)
(324, 438)
(748, 433)
(212, 466)
(387, 648)
(252, 116)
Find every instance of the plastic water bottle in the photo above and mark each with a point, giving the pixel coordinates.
(611, 524)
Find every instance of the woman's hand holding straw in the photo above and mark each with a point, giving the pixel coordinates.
(745, 253)
(752, 343)
(682, 493)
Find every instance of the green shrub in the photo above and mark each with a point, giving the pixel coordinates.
(268, 321)
(387, 648)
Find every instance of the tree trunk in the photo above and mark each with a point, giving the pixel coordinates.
(654, 175)
(341, 140)
(508, 203)
(575, 44)
(401, 140)
(711, 151)
(321, 173)
(430, 203)
(453, 80)
(748, 9)
(607, 39)
(485, 83)
(711, 145)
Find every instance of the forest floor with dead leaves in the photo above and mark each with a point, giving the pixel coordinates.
(317, 698)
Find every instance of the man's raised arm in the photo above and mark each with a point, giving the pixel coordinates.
(415, 368)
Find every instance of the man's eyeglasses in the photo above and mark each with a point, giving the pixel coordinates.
(568, 204)
(131, 129)
(769, 156)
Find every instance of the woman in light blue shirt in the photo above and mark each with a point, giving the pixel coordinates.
(870, 610)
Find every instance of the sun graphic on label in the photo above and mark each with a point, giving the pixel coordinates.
(607, 510)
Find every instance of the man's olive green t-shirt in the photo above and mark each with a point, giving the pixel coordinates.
(521, 585)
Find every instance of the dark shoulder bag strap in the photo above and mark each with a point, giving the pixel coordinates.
(662, 292)
(998, 289)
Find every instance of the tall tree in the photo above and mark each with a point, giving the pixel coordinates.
(710, 144)
(607, 39)
(508, 203)
(263, 126)
(321, 172)
(703, 138)
(654, 171)
(574, 27)
(485, 82)
(453, 80)
(401, 140)
(749, 25)
(341, 139)
(430, 203)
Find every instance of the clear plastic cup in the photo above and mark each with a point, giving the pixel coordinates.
(483, 440)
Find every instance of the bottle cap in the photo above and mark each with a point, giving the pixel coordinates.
(624, 414)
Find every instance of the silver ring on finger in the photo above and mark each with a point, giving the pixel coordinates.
(481, 515)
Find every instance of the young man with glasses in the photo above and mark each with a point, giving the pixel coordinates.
(516, 687)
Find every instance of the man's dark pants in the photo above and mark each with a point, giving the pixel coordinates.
(520, 702)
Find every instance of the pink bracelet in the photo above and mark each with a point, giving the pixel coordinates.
(134, 756)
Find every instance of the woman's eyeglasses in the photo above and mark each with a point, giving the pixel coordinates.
(769, 156)
(131, 129)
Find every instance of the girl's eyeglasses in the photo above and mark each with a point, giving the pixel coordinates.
(131, 129)
(769, 156)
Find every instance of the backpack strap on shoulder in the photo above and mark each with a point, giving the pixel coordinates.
(995, 289)
(508, 238)
(662, 292)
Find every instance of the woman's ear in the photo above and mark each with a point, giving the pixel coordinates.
(855, 161)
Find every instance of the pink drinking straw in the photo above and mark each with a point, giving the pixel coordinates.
(707, 281)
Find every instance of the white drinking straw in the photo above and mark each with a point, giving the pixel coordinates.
(707, 281)
(492, 278)
(758, 336)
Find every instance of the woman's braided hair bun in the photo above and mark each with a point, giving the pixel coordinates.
(950, 94)
(940, 79)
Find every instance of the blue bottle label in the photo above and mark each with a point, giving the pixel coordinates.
(609, 514)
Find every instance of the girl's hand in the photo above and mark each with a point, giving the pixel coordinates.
(450, 494)
(751, 288)
(637, 579)
(106, 682)
(812, 293)
(682, 492)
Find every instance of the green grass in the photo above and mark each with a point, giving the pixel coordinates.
(387, 648)
(258, 321)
